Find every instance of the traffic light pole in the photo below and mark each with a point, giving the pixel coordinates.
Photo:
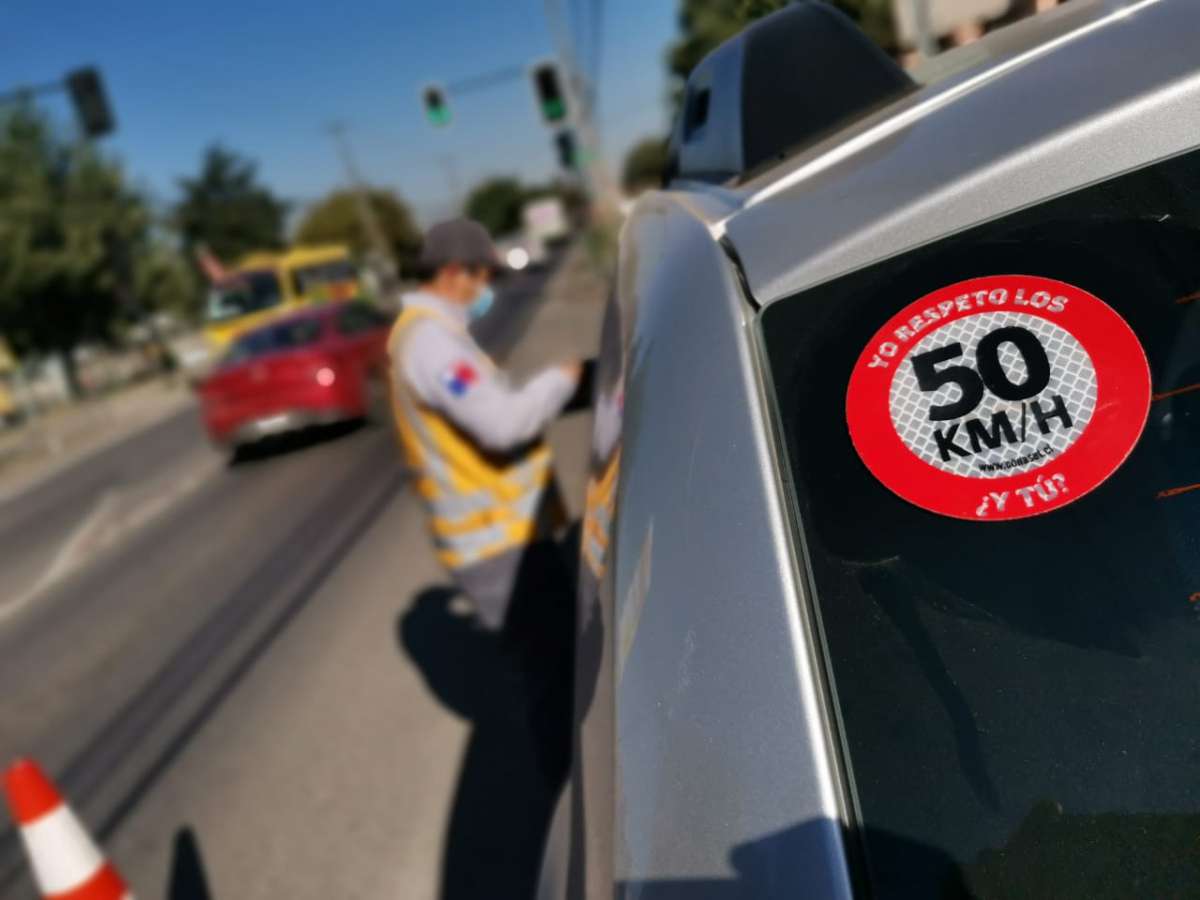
(603, 188)
(580, 94)
(449, 164)
(923, 20)
(486, 80)
(577, 94)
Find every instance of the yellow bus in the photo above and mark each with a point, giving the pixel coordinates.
(263, 286)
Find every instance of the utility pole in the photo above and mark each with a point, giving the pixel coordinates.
(449, 163)
(923, 23)
(379, 257)
(580, 95)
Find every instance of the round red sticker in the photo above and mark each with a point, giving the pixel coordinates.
(999, 397)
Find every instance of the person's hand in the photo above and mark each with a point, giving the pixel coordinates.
(573, 369)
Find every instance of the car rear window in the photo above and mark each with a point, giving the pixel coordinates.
(1016, 699)
(309, 278)
(243, 294)
(275, 338)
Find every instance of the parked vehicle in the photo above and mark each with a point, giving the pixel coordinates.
(316, 367)
(890, 581)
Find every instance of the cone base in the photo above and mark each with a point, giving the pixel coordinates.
(106, 884)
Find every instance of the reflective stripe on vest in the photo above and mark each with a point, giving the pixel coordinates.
(599, 502)
(478, 508)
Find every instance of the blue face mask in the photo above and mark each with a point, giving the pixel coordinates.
(482, 303)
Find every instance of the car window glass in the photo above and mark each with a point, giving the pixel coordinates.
(245, 293)
(1015, 695)
(307, 278)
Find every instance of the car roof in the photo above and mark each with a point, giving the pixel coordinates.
(1048, 105)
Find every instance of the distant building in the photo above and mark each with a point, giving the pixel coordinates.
(951, 23)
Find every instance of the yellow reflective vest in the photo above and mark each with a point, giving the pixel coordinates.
(480, 505)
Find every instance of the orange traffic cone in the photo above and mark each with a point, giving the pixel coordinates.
(66, 863)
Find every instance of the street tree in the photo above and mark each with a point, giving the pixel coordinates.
(644, 165)
(496, 204)
(336, 220)
(874, 17)
(163, 281)
(226, 208)
(68, 225)
(706, 24)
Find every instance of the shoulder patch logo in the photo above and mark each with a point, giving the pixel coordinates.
(459, 378)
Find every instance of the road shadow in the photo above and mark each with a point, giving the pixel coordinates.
(293, 442)
(514, 687)
(187, 879)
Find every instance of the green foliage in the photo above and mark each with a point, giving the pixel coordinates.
(644, 165)
(335, 220)
(163, 280)
(874, 17)
(68, 223)
(225, 208)
(706, 24)
(496, 204)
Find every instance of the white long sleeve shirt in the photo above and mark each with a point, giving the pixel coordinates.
(449, 372)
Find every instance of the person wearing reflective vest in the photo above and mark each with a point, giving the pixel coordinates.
(472, 437)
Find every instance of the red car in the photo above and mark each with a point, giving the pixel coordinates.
(318, 367)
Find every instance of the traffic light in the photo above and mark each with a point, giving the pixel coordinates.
(568, 153)
(91, 104)
(437, 111)
(548, 88)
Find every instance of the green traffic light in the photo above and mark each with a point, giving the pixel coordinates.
(437, 110)
(554, 110)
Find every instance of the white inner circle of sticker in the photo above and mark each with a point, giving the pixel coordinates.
(997, 437)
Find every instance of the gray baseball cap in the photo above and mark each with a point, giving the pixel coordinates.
(462, 241)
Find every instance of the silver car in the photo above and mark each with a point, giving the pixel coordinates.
(891, 559)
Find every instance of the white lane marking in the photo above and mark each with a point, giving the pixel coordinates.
(62, 562)
(107, 524)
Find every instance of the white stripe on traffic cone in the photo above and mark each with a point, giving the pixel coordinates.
(66, 863)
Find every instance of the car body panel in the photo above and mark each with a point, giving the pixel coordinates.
(1030, 124)
(279, 391)
(718, 735)
(708, 754)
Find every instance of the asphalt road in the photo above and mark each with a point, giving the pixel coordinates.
(36, 524)
(123, 632)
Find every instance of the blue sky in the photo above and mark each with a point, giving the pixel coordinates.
(265, 78)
